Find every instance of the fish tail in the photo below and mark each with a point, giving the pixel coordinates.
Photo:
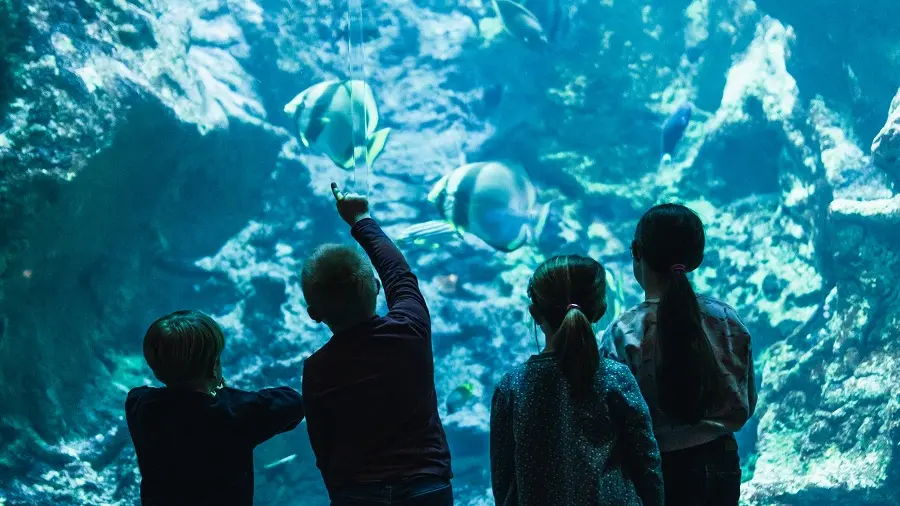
(291, 107)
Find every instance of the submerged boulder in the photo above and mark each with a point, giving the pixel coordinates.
(886, 146)
(145, 168)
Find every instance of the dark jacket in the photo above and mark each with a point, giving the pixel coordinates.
(371, 406)
(194, 449)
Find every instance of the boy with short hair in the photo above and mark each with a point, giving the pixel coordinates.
(194, 438)
(371, 404)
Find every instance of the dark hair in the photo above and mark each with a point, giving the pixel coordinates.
(181, 348)
(558, 283)
(339, 283)
(670, 240)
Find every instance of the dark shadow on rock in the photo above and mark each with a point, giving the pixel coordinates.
(159, 186)
(740, 161)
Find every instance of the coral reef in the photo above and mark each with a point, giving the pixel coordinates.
(146, 166)
(886, 146)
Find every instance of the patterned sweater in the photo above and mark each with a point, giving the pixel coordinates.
(633, 339)
(549, 448)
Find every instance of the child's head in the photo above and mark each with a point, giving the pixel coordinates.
(669, 237)
(568, 295)
(339, 286)
(668, 243)
(183, 350)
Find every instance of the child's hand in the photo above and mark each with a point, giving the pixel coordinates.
(351, 207)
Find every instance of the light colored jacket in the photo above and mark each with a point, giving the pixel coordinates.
(632, 339)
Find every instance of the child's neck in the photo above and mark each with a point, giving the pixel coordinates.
(336, 328)
(652, 286)
(652, 293)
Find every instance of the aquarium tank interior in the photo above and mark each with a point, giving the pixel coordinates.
(157, 155)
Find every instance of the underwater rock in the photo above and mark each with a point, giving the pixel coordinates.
(844, 54)
(866, 243)
(875, 213)
(886, 145)
(118, 140)
(131, 122)
(848, 171)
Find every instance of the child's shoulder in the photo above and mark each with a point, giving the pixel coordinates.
(616, 376)
(634, 314)
(140, 392)
(716, 308)
(613, 368)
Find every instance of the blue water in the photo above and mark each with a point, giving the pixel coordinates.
(146, 165)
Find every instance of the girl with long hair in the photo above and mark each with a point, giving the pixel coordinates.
(567, 427)
(692, 358)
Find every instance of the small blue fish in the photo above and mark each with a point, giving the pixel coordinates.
(673, 129)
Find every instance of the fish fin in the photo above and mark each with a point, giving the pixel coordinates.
(541, 221)
(291, 107)
(376, 145)
(435, 228)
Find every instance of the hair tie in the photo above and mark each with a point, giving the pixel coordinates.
(677, 268)
(571, 307)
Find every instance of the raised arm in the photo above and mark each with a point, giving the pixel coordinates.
(401, 287)
(641, 453)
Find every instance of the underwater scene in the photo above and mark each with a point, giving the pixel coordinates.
(158, 155)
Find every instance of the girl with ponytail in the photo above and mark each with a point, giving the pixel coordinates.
(692, 358)
(569, 427)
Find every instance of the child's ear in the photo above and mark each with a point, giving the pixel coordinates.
(217, 368)
(313, 314)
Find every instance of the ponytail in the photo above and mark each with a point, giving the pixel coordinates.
(579, 356)
(568, 292)
(686, 378)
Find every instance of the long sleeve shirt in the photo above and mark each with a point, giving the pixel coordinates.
(633, 340)
(549, 448)
(371, 405)
(195, 449)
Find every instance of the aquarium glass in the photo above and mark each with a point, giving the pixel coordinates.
(158, 155)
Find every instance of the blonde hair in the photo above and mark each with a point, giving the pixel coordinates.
(339, 283)
(182, 348)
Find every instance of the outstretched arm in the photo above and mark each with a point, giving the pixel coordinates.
(269, 411)
(401, 287)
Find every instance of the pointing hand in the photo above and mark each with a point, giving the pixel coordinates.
(350, 206)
